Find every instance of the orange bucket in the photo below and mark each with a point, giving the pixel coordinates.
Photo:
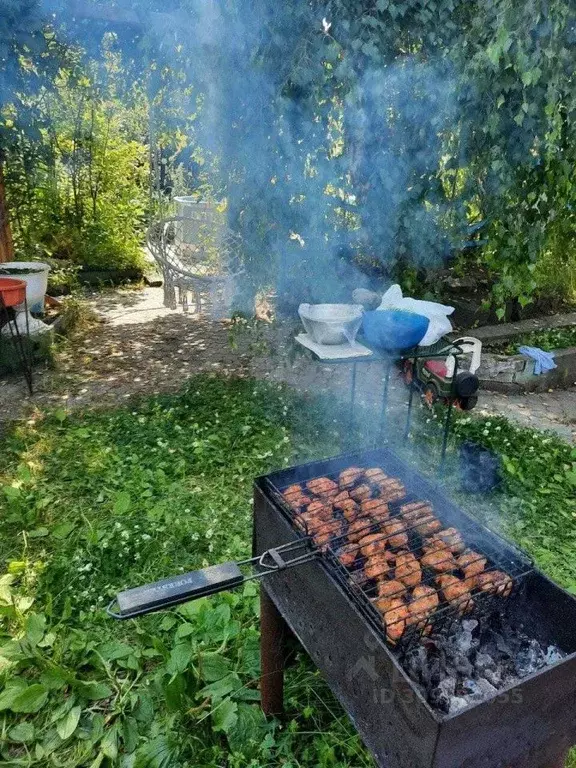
(13, 291)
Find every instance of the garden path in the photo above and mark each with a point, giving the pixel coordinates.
(140, 347)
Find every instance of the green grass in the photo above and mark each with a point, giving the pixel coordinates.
(548, 340)
(92, 503)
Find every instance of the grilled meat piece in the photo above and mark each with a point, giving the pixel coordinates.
(375, 475)
(451, 538)
(455, 592)
(349, 509)
(361, 492)
(292, 491)
(348, 554)
(391, 490)
(471, 563)
(427, 526)
(419, 516)
(358, 529)
(322, 486)
(395, 614)
(391, 589)
(299, 503)
(319, 509)
(415, 510)
(340, 498)
(408, 569)
(495, 582)
(376, 509)
(377, 567)
(373, 544)
(423, 604)
(438, 558)
(395, 531)
(349, 477)
(333, 527)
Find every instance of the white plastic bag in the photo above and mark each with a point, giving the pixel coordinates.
(437, 314)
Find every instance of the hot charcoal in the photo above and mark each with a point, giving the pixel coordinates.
(469, 661)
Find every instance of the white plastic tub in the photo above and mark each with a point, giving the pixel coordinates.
(35, 275)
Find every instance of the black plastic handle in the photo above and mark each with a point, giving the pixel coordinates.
(176, 589)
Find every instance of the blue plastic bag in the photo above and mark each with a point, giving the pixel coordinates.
(394, 329)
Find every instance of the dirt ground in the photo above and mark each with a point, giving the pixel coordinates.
(140, 347)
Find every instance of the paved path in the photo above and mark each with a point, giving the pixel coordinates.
(142, 347)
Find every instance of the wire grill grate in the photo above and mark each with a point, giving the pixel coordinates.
(364, 590)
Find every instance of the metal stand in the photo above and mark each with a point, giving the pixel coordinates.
(273, 634)
(438, 351)
(8, 317)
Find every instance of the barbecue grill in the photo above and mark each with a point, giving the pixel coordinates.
(307, 590)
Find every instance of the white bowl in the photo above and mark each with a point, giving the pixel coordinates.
(331, 323)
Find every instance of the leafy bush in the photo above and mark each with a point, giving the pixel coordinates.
(547, 339)
(77, 167)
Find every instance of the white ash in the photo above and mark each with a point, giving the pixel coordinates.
(467, 662)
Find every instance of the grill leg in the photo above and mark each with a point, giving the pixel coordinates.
(273, 633)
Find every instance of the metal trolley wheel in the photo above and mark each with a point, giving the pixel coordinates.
(430, 395)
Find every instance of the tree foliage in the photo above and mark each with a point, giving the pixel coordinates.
(358, 140)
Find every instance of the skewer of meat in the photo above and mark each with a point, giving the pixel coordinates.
(348, 554)
(377, 567)
(391, 490)
(390, 589)
(419, 516)
(349, 509)
(375, 475)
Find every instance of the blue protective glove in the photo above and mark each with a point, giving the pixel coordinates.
(544, 360)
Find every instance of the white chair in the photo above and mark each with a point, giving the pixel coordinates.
(205, 263)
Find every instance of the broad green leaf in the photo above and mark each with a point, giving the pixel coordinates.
(93, 690)
(11, 692)
(180, 657)
(114, 649)
(38, 533)
(22, 732)
(109, 744)
(225, 716)
(68, 724)
(31, 699)
(62, 530)
(221, 688)
(250, 727)
(130, 735)
(213, 666)
(158, 753)
(122, 503)
(34, 627)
